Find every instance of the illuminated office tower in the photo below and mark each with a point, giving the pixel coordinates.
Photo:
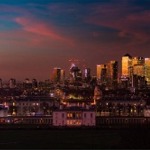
(134, 61)
(62, 75)
(112, 73)
(138, 78)
(56, 75)
(137, 61)
(126, 65)
(139, 70)
(104, 75)
(147, 70)
(75, 73)
(99, 70)
(138, 66)
(141, 60)
(87, 73)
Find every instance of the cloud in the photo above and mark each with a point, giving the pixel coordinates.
(42, 29)
(130, 22)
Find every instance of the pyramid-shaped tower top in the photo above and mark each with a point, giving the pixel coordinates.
(128, 55)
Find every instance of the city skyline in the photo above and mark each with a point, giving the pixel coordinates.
(37, 35)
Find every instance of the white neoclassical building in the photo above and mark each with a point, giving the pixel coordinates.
(74, 114)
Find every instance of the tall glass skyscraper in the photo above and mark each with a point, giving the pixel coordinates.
(147, 70)
(126, 65)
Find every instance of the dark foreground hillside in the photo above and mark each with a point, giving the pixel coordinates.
(75, 138)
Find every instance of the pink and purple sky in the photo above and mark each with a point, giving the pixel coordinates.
(38, 35)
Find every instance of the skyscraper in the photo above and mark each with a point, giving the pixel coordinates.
(147, 70)
(134, 69)
(126, 65)
(87, 73)
(75, 73)
(62, 75)
(112, 73)
(56, 74)
(99, 71)
(139, 70)
(137, 61)
(134, 61)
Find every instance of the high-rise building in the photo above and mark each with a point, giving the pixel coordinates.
(62, 75)
(56, 74)
(75, 73)
(137, 61)
(134, 69)
(87, 73)
(147, 70)
(112, 73)
(134, 61)
(99, 71)
(139, 70)
(141, 60)
(104, 75)
(138, 82)
(126, 65)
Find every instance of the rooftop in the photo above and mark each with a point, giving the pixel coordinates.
(76, 108)
(128, 55)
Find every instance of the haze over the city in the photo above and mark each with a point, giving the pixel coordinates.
(37, 35)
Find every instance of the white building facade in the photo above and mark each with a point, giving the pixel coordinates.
(74, 117)
(75, 110)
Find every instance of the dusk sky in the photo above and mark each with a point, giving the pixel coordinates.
(38, 35)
